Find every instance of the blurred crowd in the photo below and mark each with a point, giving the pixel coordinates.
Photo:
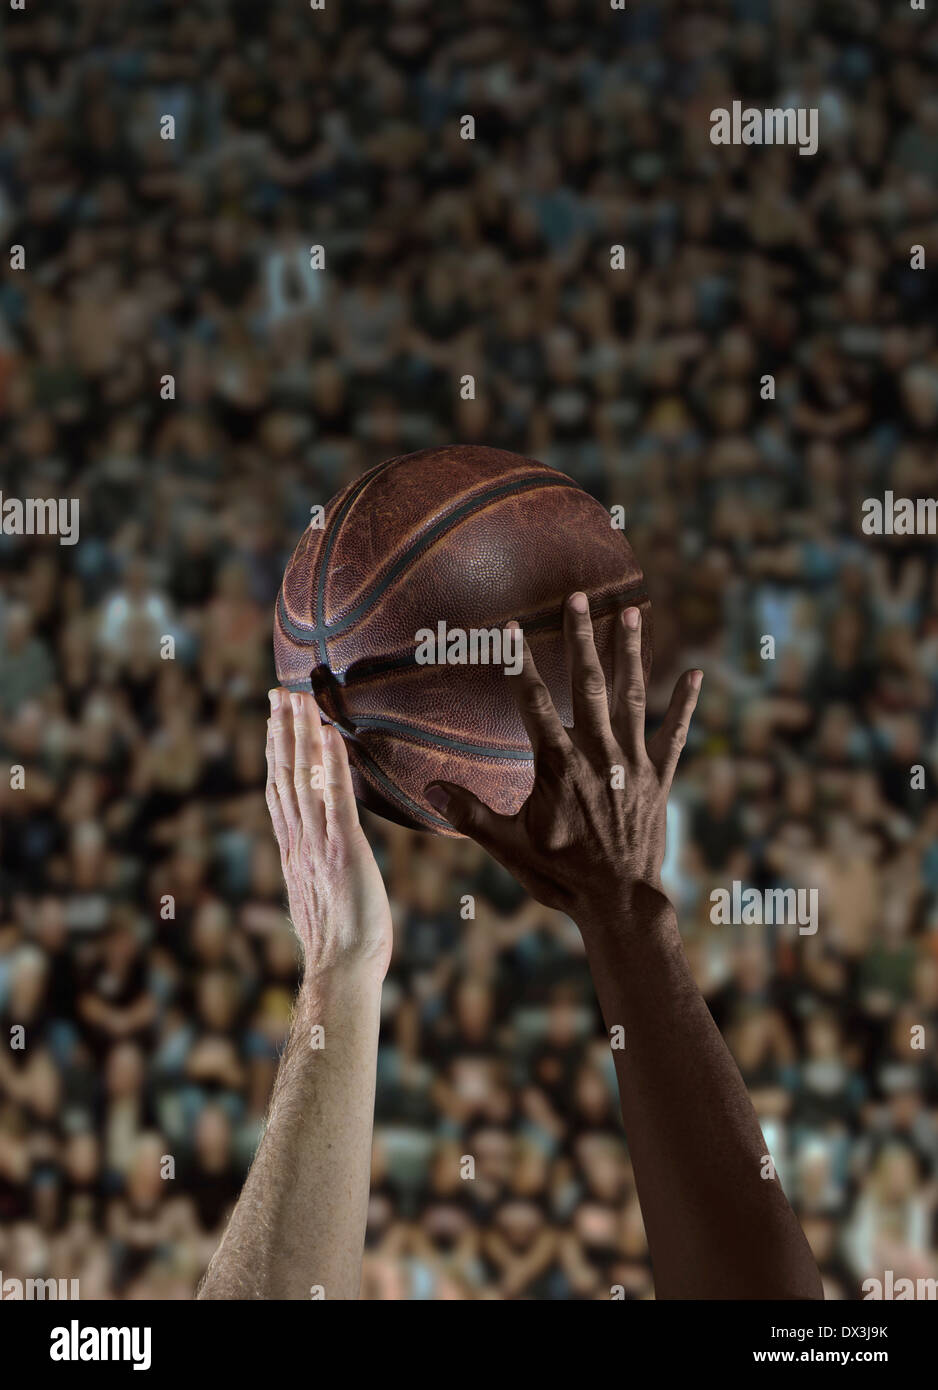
(144, 946)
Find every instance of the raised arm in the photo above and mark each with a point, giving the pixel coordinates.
(298, 1229)
(590, 841)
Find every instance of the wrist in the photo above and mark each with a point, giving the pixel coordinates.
(344, 983)
(639, 906)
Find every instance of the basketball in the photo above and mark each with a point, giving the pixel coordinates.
(457, 538)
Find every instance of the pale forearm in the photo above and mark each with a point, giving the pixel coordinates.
(717, 1221)
(299, 1224)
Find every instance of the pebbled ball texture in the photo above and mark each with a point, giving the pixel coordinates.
(472, 537)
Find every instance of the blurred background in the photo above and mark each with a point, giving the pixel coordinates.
(150, 1035)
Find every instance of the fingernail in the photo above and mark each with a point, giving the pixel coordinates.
(513, 622)
(631, 617)
(274, 697)
(297, 703)
(438, 798)
(695, 679)
(579, 603)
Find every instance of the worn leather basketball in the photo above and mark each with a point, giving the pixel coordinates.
(470, 537)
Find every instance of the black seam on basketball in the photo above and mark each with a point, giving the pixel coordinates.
(541, 622)
(439, 529)
(322, 557)
(319, 635)
(323, 678)
(313, 636)
(368, 763)
(332, 534)
(415, 734)
(331, 681)
(397, 795)
(401, 797)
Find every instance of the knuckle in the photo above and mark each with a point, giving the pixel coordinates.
(561, 750)
(537, 700)
(561, 758)
(287, 799)
(592, 685)
(555, 837)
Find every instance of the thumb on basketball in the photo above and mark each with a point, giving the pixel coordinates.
(466, 813)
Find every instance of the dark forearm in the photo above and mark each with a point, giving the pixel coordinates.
(718, 1226)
